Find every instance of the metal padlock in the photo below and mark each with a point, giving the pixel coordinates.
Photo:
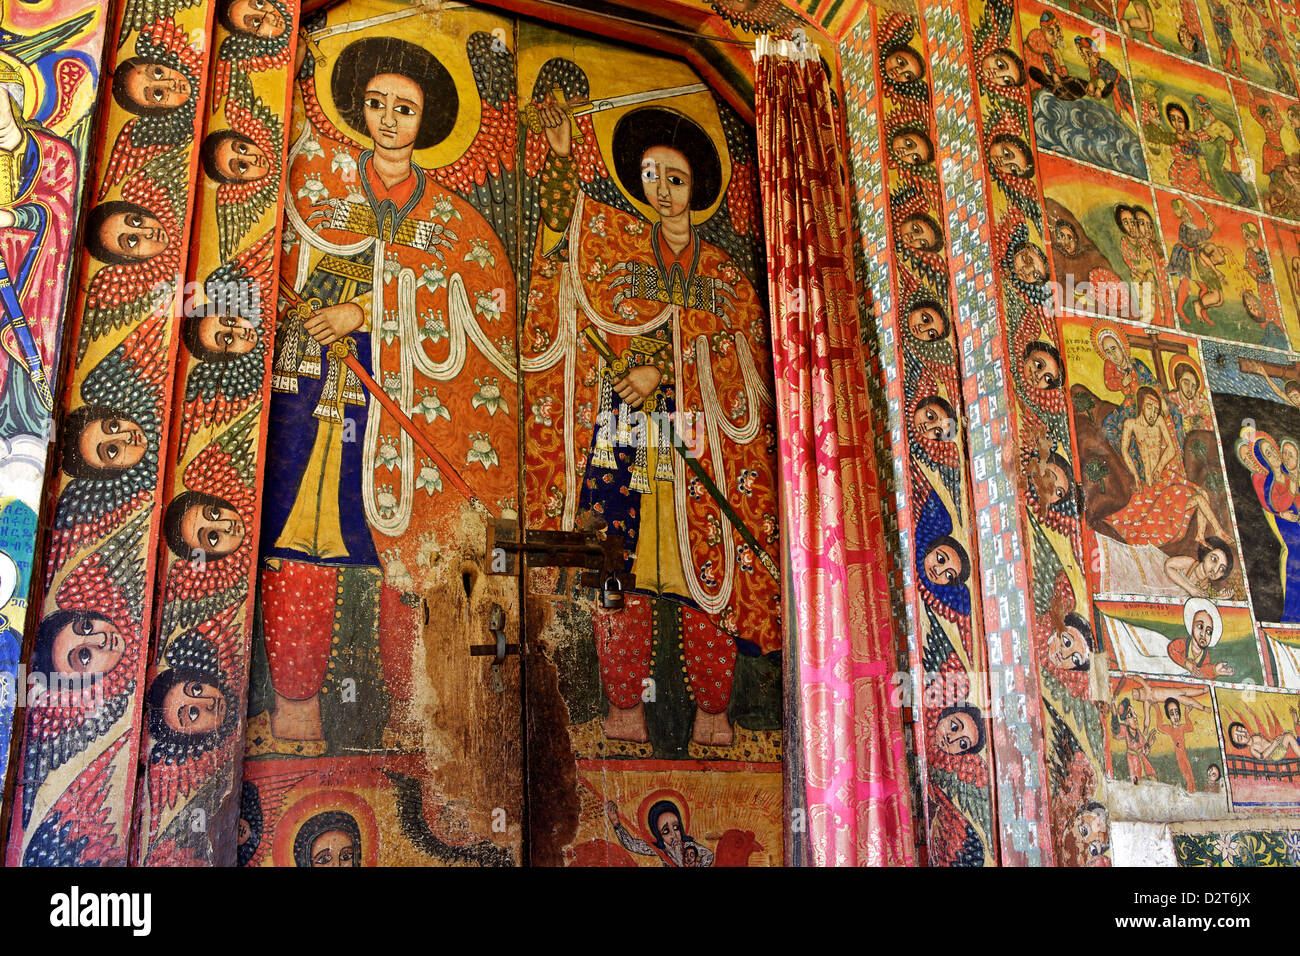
(611, 598)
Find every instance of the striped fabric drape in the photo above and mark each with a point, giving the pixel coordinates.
(852, 741)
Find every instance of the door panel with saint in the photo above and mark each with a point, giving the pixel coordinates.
(654, 698)
(374, 737)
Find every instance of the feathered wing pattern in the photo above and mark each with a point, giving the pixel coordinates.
(943, 455)
(271, 792)
(197, 591)
(177, 770)
(119, 294)
(138, 14)
(737, 227)
(216, 392)
(132, 380)
(545, 174)
(485, 174)
(61, 724)
(79, 830)
(144, 138)
(241, 205)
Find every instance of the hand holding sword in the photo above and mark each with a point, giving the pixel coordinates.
(332, 324)
(555, 116)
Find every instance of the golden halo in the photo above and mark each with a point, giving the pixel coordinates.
(631, 72)
(1104, 328)
(322, 801)
(447, 44)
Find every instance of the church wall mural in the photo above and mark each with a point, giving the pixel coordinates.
(49, 75)
(410, 341)
(80, 738)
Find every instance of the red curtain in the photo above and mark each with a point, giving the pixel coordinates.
(858, 806)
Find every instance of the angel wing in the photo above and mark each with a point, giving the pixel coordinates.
(146, 137)
(218, 391)
(545, 200)
(196, 591)
(60, 724)
(139, 14)
(737, 226)
(944, 456)
(79, 830)
(132, 381)
(485, 174)
(241, 205)
(120, 293)
(244, 53)
(175, 771)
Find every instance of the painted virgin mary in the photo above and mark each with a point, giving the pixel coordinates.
(366, 223)
(681, 323)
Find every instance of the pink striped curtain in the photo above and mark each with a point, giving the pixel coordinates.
(858, 806)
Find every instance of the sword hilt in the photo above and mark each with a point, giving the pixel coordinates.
(531, 115)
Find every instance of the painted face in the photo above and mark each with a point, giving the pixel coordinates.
(930, 422)
(214, 529)
(156, 85)
(1068, 650)
(925, 324)
(1215, 564)
(1186, 39)
(1000, 71)
(911, 149)
(1290, 456)
(1029, 265)
(670, 831)
(1214, 252)
(1240, 736)
(1187, 384)
(112, 443)
(258, 17)
(244, 831)
(1066, 238)
(1293, 394)
(1213, 775)
(135, 235)
(1150, 409)
(1056, 483)
(1173, 710)
(1145, 224)
(1127, 222)
(1271, 456)
(193, 707)
(1009, 158)
(241, 160)
(231, 334)
(393, 107)
(1091, 827)
(942, 566)
(333, 848)
(90, 646)
(1110, 348)
(918, 234)
(666, 179)
(1177, 120)
(958, 733)
(1041, 371)
(1052, 30)
(1202, 629)
(901, 66)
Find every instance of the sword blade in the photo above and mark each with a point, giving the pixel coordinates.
(631, 99)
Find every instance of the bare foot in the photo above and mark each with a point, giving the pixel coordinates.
(626, 723)
(712, 729)
(297, 719)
